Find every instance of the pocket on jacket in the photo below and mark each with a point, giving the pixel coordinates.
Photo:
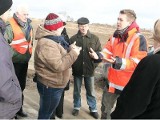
(17, 94)
(92, 45)
(8, 110)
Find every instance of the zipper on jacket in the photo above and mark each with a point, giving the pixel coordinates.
(47, 85)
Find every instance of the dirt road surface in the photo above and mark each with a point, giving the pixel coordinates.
(31, 100)
(31, 104)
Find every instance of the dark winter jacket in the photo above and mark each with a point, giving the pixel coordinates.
(64, 33)
(85, 65)
(141, 97)
(10, 91)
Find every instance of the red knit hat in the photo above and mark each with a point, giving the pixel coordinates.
(53, 22)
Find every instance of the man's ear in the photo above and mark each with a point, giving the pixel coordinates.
(130, 22)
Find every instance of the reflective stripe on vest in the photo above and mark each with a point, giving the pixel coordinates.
(113, 38)
(128, 52)
(19, 42)
(116, 86)
(105, 52)
(136, 60)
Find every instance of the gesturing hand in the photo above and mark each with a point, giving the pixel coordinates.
(93, 54)
(77, 49)
(110, 60)
(73, 45)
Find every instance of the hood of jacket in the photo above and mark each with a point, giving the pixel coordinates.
(41, 32)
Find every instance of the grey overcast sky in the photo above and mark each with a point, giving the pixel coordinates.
(97, 11)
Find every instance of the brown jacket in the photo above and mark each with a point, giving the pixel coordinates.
(52, 62)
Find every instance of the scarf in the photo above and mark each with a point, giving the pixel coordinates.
(123, 34)
(60, 40)
(20, 22)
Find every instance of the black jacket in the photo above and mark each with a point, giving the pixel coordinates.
(141, 96)
(85, 65)
(64, 33)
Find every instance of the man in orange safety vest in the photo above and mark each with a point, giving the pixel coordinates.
(123, 51)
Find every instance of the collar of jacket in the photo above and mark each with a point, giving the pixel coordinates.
(22, 24)
(123, 34)
(87, 35)
(131, 32)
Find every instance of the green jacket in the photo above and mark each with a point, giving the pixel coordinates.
(17, 57)
(85, 65)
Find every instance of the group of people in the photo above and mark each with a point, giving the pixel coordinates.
(133, 77)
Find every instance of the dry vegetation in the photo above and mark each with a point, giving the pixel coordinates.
(103, 31)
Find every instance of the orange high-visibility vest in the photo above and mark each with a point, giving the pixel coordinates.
(131, 56)
(19, 42)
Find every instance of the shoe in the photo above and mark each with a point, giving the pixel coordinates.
(52, 117)
(22, 114)
(104, 116)
(94, 114)
(15, 117)
(75, 112)
(59, 116)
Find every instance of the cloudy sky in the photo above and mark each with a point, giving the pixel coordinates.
(98, 11)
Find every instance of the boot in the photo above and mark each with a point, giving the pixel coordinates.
(21, 113)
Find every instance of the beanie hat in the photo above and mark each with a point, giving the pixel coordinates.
(5, 5)
(156, 32)
(53, 22)
(63, 18)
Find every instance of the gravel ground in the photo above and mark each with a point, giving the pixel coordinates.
(31, 99)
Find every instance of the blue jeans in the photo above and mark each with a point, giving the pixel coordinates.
(49, 100)
(90, 92)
